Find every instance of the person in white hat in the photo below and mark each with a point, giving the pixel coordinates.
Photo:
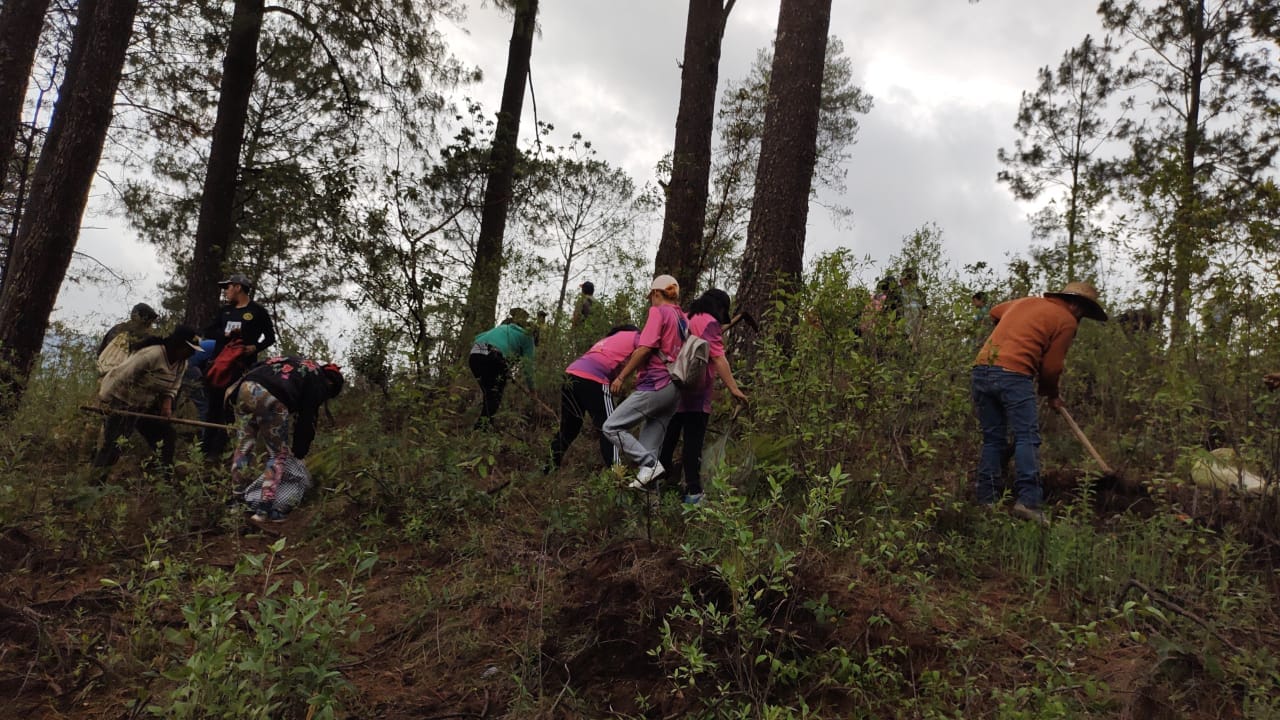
(655, 398)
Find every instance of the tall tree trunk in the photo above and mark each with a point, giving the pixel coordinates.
(774, 255)
(486, 276)
(20, 25)
(60, 187)
(680, 251)
(218, 201)
(1186, 225)
(564, 280)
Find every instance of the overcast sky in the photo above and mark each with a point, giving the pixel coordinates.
(946, 76)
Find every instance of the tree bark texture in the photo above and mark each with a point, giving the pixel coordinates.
(680, 251)
(60, 186)
(20, 24)
(486, 276)
(1187, 244)
(774, 255)
(217, 220)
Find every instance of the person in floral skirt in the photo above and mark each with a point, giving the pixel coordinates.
(280, 392)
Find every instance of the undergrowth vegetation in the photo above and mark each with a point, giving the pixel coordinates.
(839, 568)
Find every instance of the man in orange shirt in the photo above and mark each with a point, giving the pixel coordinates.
(1029, 344)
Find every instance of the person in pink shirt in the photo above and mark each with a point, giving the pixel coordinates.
(707, 316)
(586, 389)
(654, 400)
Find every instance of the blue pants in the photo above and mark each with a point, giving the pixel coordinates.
(1005, 402)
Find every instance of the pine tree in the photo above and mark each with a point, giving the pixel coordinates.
(680, 249)
(1064, 129)
(1197, 164)
(774, 254)
(741, 123)
(60, 187)
(486, 278)
(20, 24)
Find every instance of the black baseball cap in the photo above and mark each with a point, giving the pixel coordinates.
(236, 279)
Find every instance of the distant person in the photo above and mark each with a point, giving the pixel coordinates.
(246, 328)
(491, 359)
(146, 382)
(708, 315)
(655, 397)
(879, 318)
(119, 341)
(981, 322)
(1029, 345)
(539, 326)
(981, 309)
(586, 303)
(193, 378)
(586, 391)
(911, 303)
(280, 392)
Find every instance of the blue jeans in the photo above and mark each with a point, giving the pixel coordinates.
(1006, 401)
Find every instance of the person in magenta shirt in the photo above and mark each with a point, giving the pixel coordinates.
(586, 389)
(707, 316)
(654, 400)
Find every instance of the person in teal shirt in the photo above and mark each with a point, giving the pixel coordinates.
(491, 358)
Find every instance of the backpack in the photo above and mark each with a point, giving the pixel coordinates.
(115, 353)
(688, 369)
(228, 366)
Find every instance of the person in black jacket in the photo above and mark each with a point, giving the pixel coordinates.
(266, 400)
(239, 320)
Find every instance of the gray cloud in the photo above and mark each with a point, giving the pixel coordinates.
(947, 76)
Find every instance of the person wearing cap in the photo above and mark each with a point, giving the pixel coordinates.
(270, 397)
(120, 340)
(1028, 347)
(239, 320)
(147, 382)
(492, 355)
(655, 398)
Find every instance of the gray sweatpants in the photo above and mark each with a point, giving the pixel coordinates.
(655, 408)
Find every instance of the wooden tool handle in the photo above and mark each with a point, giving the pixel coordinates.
(1084, 440)
(180, 421)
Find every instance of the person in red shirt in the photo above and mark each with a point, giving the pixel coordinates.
(1028, 347)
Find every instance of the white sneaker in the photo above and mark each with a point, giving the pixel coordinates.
(647, 477)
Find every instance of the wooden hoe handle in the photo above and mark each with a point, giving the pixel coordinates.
(1085, 440)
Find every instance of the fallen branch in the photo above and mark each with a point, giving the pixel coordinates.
(1162, 600)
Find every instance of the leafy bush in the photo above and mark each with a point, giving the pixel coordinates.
(269, 654)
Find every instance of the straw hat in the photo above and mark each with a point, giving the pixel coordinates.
(1085, 294)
